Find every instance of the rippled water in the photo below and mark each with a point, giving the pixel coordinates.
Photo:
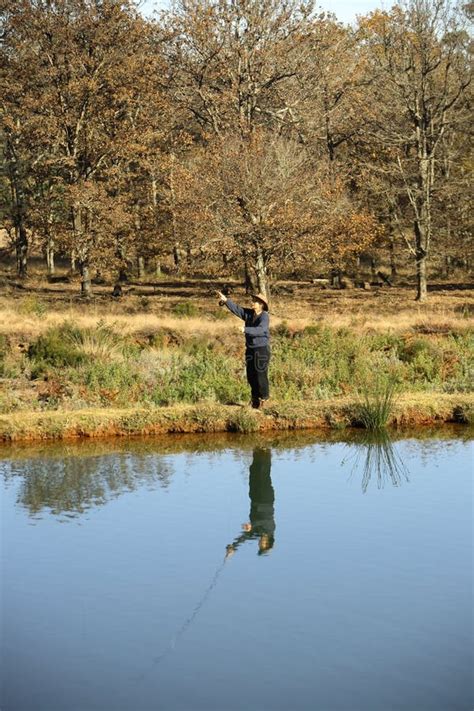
(237, 573)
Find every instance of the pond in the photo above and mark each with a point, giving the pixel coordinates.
(238, 572)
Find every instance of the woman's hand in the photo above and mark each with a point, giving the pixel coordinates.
(222, 297)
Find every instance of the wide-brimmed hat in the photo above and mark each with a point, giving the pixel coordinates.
(261, 298)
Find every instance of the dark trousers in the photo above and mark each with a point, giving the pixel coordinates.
(256, 361)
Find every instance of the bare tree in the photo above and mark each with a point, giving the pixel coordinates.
(419, 56)
(236, 59)
(263, 200)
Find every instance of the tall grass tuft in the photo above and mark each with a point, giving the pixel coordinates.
(376, 399)
(101, 342)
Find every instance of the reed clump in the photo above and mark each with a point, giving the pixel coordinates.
(376, 398)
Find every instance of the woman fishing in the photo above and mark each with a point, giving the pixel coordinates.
(257, 344)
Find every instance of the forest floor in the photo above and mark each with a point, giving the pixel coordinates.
(327, 342)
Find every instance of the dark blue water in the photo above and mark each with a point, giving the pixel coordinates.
(237, 574)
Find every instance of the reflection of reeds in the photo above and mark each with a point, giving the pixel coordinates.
(376, 399)
(380, 461)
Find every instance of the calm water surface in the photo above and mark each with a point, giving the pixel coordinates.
(237, 573)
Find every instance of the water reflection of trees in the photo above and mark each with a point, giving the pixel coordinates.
(377, 459)
(71, 477)
(74, 484)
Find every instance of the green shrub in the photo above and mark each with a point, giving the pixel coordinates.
(99, 374)
(312, 330)
(386, 342)
(220, 314)
(244, 421)
(322, 360)
(412, 349)
(185, 309)
(32, 306)
(157, 339)
(198, 346)
(424, 361)
(204, 375)
(281, 331)
(458, 364)
(56, 349)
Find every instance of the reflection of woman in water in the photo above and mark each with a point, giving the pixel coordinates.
(262, 498)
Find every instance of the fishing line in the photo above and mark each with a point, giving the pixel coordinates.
(187, 622)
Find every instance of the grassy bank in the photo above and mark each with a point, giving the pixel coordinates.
(100, 368)
(337, 413)
(73, 368)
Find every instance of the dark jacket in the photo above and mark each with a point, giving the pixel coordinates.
(257, 328)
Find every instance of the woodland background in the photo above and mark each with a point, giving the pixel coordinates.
(258, 138)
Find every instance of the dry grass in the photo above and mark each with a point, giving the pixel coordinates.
(384, 310)
(129, 324)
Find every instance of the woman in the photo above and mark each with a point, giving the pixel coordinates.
(257, 344)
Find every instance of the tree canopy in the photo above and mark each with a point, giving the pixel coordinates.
(254, 134)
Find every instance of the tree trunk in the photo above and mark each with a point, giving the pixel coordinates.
(18, 207)
(421, 284)
(261, 273)
(447, 262)
(141, 267)
(86, 285)
(176, 256)
(76, 255)
(393, 265)
(336, 278)
(373, 267)
(80, 252)
(50, 256)
(21, 246)
(157, 268)
(248, 281)
(422, 226)
(123, 263)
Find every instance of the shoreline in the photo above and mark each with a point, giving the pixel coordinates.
(409, 410)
